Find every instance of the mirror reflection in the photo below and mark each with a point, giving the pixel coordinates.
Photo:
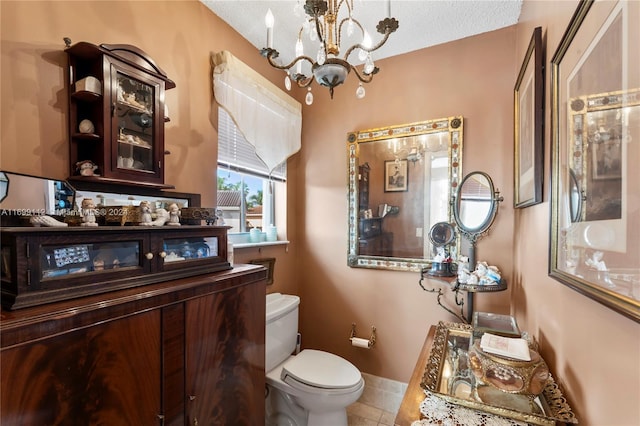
(475, 206)
(401, 179)
(595, 226)
(31, 195)
(575, 197)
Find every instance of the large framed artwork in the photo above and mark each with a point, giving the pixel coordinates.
(528, 125)
(595, 130)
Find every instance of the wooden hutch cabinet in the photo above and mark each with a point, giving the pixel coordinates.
(117, 114)
(182, 352)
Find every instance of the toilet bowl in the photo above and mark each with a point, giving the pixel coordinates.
(311, 388)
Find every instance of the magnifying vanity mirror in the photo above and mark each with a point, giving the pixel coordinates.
(401, 180)
(441, 235)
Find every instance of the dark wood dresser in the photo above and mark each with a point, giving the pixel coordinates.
(185, 351)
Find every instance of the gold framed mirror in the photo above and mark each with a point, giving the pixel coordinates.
(401, 182)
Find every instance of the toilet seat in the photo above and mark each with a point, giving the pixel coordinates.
(320, 370)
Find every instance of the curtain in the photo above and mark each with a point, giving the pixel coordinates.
(268, 118)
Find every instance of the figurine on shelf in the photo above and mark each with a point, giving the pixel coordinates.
(86, 168)
(145, 213)
(162, 216)
(219, 218)
(88, 209)
(596, 261)
(601, 272)
(463, 270)
(487, 275)
(174, 215)
(493, 273)
(482, 275)
(120, 92)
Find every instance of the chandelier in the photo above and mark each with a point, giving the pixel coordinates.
(324, 22)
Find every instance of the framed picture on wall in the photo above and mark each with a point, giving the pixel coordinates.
(396, 177)
(528, 126)
(595, 178)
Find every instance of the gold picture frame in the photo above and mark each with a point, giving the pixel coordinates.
(595, 126)
(528, 125)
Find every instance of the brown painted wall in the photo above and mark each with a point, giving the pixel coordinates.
(592, 351)
(474, 78)
(179, 36)
(590, 347)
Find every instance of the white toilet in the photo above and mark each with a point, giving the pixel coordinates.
(311, 388)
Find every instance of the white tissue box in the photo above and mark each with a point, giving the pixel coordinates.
(89, 84)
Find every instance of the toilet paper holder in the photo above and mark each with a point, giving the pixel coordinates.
(372, 339)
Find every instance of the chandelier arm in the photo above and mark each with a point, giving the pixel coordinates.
(270, 55)
(319, 32)
(360, 46)
(304, 81)
(355, 21)
(365, 78)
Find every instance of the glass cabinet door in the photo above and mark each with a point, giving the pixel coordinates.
(135, 148)
(66, 260)
(134, 116)
(191, 248)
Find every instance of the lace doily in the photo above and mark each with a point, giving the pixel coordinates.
(437, 411)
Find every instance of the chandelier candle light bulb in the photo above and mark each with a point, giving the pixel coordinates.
(269, 20)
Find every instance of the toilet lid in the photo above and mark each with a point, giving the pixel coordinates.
(322, 370)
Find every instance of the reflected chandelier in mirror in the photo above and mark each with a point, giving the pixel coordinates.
(401, 180)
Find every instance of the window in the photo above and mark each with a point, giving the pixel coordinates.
(246, 192)
(259, 127)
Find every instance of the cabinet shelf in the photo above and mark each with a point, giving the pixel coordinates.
(136, 145)
(479, 288)
(86, 96)
(87, 136)
(103, 180)
(130, 107)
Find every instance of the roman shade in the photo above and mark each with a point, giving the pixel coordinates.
(269, 119)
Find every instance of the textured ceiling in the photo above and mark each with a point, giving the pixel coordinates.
(422, 23)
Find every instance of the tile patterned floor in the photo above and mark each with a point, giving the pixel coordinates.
(359, 414)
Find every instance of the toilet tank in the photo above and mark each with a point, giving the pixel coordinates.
(282, 328)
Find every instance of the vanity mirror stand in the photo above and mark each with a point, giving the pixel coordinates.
(475, 206)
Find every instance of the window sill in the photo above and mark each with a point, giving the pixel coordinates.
(260, 244)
